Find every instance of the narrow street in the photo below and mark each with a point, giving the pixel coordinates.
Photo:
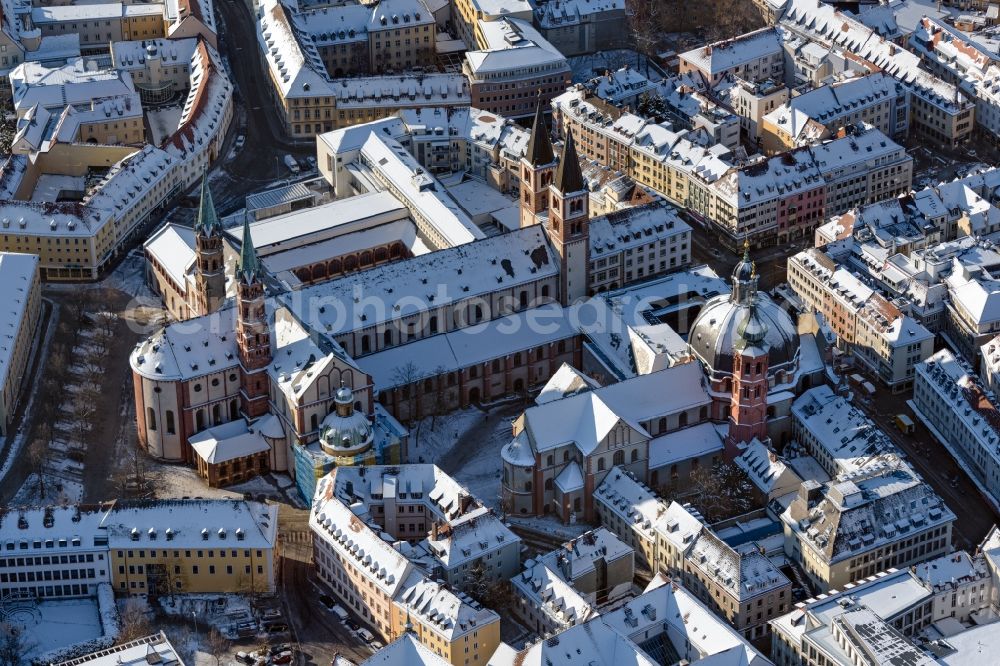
(318, 632)
(935, 465)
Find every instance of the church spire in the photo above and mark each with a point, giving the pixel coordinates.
(745, 278)
(539, 149)
(207, 222)
(249, 266)
(569, 178)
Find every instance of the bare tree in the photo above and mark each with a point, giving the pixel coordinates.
(405, 377)
(439, 400)
(721, 491)
(482, 587)
(133, 622)
(217, 645)
(15, 643)
(84, 409)
(38, 460)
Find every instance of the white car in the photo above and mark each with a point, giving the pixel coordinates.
(339, 611)
(240, 140)
(365, 635)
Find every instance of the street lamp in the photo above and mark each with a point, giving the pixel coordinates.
(194, 616)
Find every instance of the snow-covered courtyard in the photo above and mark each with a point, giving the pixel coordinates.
(52, 625)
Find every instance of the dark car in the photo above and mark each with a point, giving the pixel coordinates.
(278, 648)
(352, 625)
(276, 628)
(327, 601)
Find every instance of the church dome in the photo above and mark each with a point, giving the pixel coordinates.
(345, 431)
(744, 317)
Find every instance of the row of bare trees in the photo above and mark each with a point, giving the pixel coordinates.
(52, 397)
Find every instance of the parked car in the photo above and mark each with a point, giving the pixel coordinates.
(366, 635)
(339, 611)
(240, 140)
(377, 645)
(278, 648)
(244, 658)
(292, 165)
(276, 628)
(272, 614)
(282, 658)
(351, 624)
(327, 601)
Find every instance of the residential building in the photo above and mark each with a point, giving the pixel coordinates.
(881, 516)
(874, 99)
(515, 69)
(569, 585)
(962, 584)
(311, 101)
(471, 15)
(888, 342)
(140, 548)
(99, 24)
(386, 589)
(454, 537)
(755, 56)
(578, 27)
(191, 546)
(739, 583)
(21, 308)
(962, 414)
(752, 101)
(658, 626)
(939, 112)
(77, 204)
(880, 614)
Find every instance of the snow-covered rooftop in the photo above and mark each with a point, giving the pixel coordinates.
(728, 54)
(201, 523)
(585, 419)
(433, 280)
(18, 273)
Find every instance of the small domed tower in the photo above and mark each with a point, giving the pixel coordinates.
(253, 335)
(345, 431)
(210, 273)
(748, 403)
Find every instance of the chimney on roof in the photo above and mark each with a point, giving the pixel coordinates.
(708, 50)
(434, 531)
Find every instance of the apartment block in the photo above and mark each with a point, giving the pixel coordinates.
(20, 306)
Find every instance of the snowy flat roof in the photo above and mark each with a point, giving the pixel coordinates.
(403, 231)
(154, 649)
(309, 225)
(18, 273)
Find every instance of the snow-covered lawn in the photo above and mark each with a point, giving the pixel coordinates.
(52, 625)
(433, 445)
(481, 473)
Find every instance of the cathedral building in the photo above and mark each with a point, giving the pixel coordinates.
(265, 376)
